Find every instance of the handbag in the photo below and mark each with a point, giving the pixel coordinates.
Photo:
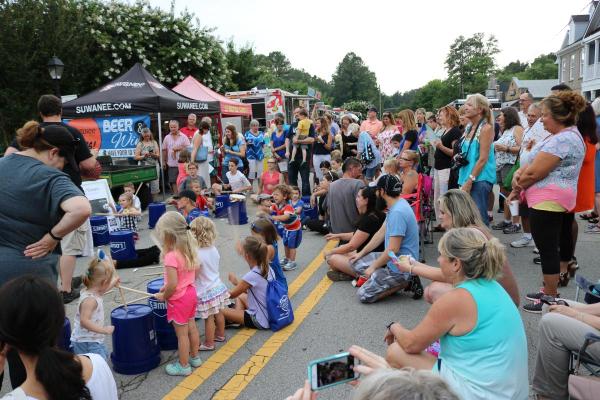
(507, 182)
(201, 154)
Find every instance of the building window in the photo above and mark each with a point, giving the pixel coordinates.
(591, 53)
(572, 68)
(582, 63)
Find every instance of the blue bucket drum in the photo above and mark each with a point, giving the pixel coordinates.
(155, 211)
(135, 349)
(122, 246)
(310, 212)
(165, 333)
(236, 214)
(100, 232)
(221, 205)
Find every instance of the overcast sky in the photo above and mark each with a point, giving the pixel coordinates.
(404, 42)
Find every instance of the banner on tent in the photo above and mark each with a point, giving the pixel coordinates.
(112, 136)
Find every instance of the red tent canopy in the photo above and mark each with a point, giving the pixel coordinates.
(192, 88)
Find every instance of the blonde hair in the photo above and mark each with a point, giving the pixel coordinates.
(480, 101)
(336, 154)
(258, 250)
(98, 272)
(174, 234)
(462, 209)
(403, 384)
(128, 196)
(413, 156)
(353, 127)
(204, 230)
(480, 257)
(407, 117)
(391, 163)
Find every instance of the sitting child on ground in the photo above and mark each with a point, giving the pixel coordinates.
(88, 325)
(128, 215)
(251, 291)
(302, 133)
(212, 294)
(130, 188)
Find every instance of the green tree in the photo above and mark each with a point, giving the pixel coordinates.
(242, 64)
(513, 68)
(433, 95)
(470, 61)
(353, 81)
(542, 67)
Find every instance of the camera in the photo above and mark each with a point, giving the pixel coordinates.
(459, 161)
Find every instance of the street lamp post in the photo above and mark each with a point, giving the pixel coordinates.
(55, 69)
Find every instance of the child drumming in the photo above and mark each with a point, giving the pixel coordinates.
(302, 133)
(128, 215)
(179, 256)
(88, 325)
(265, 230)
(292, 227)
(130, 188)
(251, 292)
(211, 293)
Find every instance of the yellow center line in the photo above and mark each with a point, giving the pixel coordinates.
(255, 364)
(221, 356)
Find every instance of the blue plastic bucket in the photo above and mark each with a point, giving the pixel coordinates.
(100, 232)
(135, 349)
(236, 214)
(221, 205)
(122, 246)
(64, 340)
(165, 333)
(155, 211)
(310, 212)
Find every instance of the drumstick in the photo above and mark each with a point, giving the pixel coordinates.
(138, 189)
(136, 300)
(145, 268)
(136, 291)
(123, 297)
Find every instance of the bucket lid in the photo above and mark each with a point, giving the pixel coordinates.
(133, 311)
(155, 284)
(121, 233)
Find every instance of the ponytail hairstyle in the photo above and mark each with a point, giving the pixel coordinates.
(100, 271)
(204, 230)
(174, 234)
(480, 257)
(29, 136)
(265, 228)
(31, 319)
(257, 250)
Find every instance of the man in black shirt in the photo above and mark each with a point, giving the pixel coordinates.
(73, 244)
(300, 167)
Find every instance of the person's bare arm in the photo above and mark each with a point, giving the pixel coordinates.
(86, 308)
(410, 182)
(375, 241)
(357, 239)
(393, 245)
(9, 150)
(241, 287)
(77, 210)
(541, 166)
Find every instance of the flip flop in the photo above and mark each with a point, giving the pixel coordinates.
(588, 215)
(206, 348)
(220, 339)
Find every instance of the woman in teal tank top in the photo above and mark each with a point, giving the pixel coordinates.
(483, 348)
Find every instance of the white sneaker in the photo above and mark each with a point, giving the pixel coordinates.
(536, 251)
(523, 242)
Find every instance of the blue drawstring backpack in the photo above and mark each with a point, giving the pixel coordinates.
(279, 310)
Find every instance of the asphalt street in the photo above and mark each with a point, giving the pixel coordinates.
(264, 365)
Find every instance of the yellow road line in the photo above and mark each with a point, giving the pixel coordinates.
(221, 356)
(250, 370)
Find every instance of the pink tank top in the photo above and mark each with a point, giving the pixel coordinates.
(270, 180)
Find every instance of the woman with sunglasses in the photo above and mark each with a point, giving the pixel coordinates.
(408, 162)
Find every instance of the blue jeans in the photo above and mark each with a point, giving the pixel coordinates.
(90, 347)
(302, 168)
(480, 191)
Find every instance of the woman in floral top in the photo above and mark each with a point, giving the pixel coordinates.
(548, 182)
(384, 139)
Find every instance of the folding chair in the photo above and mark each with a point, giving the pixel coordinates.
(422, 211)
(584, 387)
(586, 285)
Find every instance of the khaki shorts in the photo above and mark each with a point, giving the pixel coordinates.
(78, 242)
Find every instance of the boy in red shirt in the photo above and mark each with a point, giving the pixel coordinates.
(282, 211)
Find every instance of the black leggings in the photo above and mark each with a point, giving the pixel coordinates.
(145, 257)
(552, 235)
(16, 370)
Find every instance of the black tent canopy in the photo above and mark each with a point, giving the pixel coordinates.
(136, 91)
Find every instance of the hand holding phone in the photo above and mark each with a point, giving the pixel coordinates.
(332, 370)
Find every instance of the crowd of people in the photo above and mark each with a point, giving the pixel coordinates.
(366, 179)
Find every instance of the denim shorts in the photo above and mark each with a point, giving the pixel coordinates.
(369, 173)
(90, 347)
(480, 191)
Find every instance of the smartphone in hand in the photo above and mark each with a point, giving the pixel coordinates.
(333, 370)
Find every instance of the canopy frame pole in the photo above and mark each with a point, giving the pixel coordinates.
(160, 147)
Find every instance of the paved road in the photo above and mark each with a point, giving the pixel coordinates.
(263, 365)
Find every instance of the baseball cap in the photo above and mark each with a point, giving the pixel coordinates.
(60, 137)
(374, 109)
(390, 185)
(187, 194)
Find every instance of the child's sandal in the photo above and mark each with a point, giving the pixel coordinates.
(220, 339)
(206, 348)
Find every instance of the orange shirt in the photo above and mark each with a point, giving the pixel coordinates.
(373, 127)
(585, 183)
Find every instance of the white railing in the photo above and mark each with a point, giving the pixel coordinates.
(591, 72)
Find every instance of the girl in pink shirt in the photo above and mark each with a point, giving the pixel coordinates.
(179, 254)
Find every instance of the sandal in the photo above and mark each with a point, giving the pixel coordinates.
(572, 267)
(206, 348)
(563, 279)
(220, 339)
(588, 215)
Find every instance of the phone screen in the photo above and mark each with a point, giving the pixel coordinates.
(332, 371)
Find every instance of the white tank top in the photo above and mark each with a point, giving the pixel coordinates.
(79, 333)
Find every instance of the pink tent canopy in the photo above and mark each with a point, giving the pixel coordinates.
(192, 88)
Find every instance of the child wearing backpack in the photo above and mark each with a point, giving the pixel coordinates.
(265, 230)
(251, 291)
